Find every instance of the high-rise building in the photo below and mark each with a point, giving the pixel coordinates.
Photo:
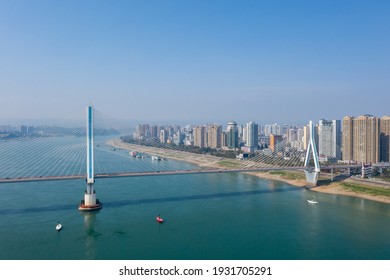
(199, 136)
(300, 134)
(275, 142)
(163, 136)
(224, 139)
(245, 135)
(306, 137)
(178, 138)
(282, 130)
(267, 130)
(171, 131)
(240, 129)
(252, 134)
(292, 135)
(347, 138)
(361, 139)
(385, 138)
(272, 129)
(214, 136)
(153, 132)
(189, 139)
(329, 133)
(366, 139)
(142, 131)
(138, 131)
(232, 135)
(23, 129)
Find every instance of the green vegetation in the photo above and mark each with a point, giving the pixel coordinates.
(228, 164)
(357, 188)
(288, 175)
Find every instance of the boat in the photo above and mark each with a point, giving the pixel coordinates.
(159, 219)
(156, 158)
(58, 226)
(133, 153)
(312, 201)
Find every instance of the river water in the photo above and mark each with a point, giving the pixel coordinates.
(207, 216)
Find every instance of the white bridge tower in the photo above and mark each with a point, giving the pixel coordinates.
(90, 202)
(312, 175)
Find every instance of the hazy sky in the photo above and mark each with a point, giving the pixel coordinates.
(213, 61)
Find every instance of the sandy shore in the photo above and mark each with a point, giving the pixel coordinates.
(337, 188)
(275, 177)
(208, 161)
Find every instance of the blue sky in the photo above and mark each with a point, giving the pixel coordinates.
(195, 61)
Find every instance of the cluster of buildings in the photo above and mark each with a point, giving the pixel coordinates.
(21, 129)
(363, 139)
(213, 136)
(203, 136)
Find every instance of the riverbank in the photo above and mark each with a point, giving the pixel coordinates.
(203, 161)
(294, 178)
(347, 187)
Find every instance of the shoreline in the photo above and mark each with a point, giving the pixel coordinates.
(338, 189)
(208, 161)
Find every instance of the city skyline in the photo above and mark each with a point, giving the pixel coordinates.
(198, 61)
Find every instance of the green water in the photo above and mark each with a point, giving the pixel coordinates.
(213, 216)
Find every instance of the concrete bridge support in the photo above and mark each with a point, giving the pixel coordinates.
(90, 202)
(312, 175)
(331, 175)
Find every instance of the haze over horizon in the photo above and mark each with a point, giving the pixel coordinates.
(195, 61)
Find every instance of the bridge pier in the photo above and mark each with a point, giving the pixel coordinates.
(331, 175)
(90, 202)
(312, 177)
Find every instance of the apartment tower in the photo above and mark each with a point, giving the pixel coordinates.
(199, 136)
(214, 136)
(385, 139)
(361, 139)
(329, 133)
(275, 143)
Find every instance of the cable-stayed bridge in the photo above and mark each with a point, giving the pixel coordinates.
(90, 151)
(55, 152)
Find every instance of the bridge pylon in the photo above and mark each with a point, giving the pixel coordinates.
(312, 175)
(90, 202)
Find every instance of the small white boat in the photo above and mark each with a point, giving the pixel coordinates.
(312, 201)
(58, 227)
(156, 158)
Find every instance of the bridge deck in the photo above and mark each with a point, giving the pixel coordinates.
(159, 173)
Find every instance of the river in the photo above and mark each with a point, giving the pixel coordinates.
(207, 217)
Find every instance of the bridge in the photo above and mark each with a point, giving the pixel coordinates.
(55, 153)
(160, 173)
